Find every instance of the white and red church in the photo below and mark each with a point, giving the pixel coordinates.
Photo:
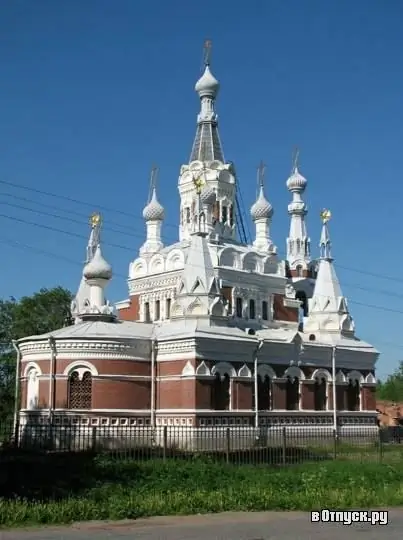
(210, 334)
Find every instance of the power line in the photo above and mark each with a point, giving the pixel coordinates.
(171, 225)
(132, 234)
(76, 235)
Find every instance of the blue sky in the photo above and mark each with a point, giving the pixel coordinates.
(94, 92)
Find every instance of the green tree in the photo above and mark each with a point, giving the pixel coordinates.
(40, 313)
(392, 388)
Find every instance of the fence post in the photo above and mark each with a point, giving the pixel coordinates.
(94, 438)
(284, 446)
(228, 443)
(164, 442)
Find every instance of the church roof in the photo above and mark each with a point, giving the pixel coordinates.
(99, 330)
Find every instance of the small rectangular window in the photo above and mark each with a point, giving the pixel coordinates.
(239, 307)
(168, 308)
(157, 313)
(147, 317)
(265, 310)
(252, 310)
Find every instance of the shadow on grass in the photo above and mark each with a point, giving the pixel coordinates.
(44, 476)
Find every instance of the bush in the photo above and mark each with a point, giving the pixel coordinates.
(92, 488)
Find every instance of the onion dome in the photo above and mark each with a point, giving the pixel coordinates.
(261, 209)
(296, 181)
(207, 85)
(208, 196)
(97, 268)
(154, 211)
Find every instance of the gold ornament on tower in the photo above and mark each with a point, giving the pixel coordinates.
(199, 183)
(325, 215)
(95, 219)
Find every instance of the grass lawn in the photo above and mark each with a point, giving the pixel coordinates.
(56, 489)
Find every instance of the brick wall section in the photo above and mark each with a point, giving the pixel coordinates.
(279, 395)
(120, 394)
(281, 312)
(188, 400)
(227, 294)
(131, 313)
(173, 367)
(23, 395)
(303, 274)
(203, 394)
(169, 394)
(368, 398)
(242, 394)
(307, 395)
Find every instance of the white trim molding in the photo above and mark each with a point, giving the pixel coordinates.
(32, 365)
(81, 366)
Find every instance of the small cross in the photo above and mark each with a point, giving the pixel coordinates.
(295, 159)
(261, 171)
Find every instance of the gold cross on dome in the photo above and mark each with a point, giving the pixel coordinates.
(199, 183)
(325, 215)
(95, 219)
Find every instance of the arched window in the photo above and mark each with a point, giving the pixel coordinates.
(299, 270)
(221, 392)
(32, 389)
(264, 398)
(320, 394)
(292, 394)
(353, 396)
(80, 390)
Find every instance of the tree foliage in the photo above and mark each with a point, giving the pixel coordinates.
(392, 388)
(40, 313)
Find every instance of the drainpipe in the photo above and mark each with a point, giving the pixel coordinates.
(17, 389)
(334, 390)
(259, 346)
(153, 359)
(52, 366)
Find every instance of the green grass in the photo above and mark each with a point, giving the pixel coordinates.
(57, 489)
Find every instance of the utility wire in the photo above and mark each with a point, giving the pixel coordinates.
(133, 234)
(119, 246)
(92, 205)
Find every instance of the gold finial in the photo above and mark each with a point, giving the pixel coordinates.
(199, 183)
(325, 215)
(95, 219)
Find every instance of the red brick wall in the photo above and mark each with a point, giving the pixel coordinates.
(203, 394)
(121, 394)
(242, 394)
(131, 313)
(281, 312)
(308, 396)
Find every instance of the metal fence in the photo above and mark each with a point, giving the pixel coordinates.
(236, 444)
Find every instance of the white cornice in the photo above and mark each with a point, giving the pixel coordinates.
(153, 282)
(79, 349)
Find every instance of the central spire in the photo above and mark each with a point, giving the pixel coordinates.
(207, 144)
